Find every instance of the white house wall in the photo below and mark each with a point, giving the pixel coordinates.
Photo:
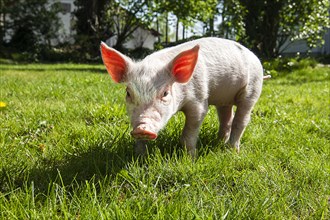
(141, 38)
(300, 46)
(67, 32)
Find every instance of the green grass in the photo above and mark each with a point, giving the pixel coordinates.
(66, 152)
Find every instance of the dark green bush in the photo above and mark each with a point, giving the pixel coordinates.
(138, 53)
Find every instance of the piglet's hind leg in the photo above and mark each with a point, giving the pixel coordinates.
(240, 121)
(225, 114)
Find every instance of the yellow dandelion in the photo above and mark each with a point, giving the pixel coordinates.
(3, 105)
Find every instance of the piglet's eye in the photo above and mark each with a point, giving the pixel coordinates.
(128, 94)
(165, 94)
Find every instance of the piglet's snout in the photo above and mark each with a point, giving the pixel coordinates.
(140, 132)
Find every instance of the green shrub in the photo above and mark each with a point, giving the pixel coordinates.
(138, 53)
(283, 66)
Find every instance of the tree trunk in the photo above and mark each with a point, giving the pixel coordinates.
(262, 31)
(157, 26)
(212, 26)
(166, 30)
(177, 30)
(2, 30)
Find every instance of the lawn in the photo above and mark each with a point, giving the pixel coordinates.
(66, 152)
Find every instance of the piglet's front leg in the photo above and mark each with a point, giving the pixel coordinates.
(194, 114)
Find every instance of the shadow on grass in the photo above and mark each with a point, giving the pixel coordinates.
(96, 163)
(170, 145)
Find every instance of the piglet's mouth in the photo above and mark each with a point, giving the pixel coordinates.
(140, 133)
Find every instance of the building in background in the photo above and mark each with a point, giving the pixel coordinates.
(301, 47)
(141, 38)
(66, 33)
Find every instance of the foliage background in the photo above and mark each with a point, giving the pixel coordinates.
(263, 26)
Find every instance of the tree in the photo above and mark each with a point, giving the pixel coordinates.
(32, 23)
(4, 4)
(100, 20)
(232, 14)
(186, 11)
(126, 16)
(91, 26)
(89, 15)
(265, 26)
(306, 20)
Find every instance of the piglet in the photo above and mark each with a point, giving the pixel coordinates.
(188, 78)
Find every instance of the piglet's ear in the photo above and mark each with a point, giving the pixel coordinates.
(115, 62)
(184, 64)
